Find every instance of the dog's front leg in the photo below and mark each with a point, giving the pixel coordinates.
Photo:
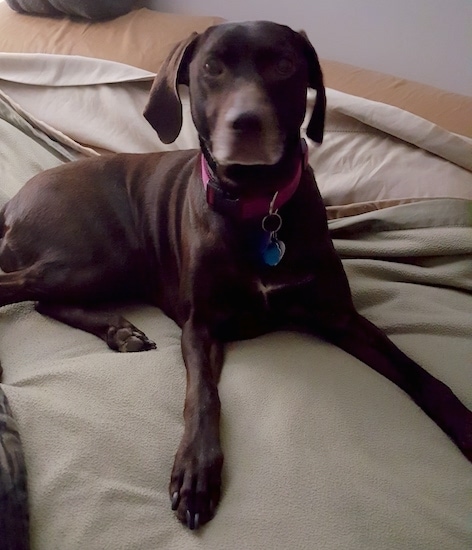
(196, 477)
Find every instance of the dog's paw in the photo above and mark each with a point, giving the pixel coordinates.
(195, 484)
(128, 339)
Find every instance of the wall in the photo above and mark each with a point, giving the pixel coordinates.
(428, 41)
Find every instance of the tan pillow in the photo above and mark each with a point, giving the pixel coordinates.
(449, 110)
(141, 38)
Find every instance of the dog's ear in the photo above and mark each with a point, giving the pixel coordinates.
(315, 127)
(164, 108)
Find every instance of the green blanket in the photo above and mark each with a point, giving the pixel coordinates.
(100, 429)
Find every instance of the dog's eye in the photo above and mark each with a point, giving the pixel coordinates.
(213, 67)
(285, 66)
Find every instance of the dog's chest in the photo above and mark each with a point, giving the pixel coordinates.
(271, 291)
(253, 308)
(267, 289)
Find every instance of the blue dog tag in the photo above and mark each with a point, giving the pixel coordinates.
(273, 252)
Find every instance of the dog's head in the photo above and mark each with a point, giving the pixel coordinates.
(248, 84)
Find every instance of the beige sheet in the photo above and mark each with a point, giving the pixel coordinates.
(371, 151)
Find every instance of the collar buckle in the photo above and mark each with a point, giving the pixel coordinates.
(221, 200)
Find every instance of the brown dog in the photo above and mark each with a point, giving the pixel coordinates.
(230, 241)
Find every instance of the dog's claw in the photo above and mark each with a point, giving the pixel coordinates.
(175, 500)
(194, 489)
(193, 522)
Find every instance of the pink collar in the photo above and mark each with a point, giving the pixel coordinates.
(255, 207)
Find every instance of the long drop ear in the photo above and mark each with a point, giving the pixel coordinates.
(164, 107)
(315, 127)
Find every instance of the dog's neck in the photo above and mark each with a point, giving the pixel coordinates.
(253, 206)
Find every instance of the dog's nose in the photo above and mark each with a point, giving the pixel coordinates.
(247, 122)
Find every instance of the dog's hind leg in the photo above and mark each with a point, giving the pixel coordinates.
(364, 340)
(17, 286)
(59, 291)
(115, 330)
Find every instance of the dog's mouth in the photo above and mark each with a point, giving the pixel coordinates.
(251, 149)
(253, 179)
(248, 149)
(235, 176)
(245, 162)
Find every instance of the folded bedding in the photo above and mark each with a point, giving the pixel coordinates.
(320, 451)
(28, 146)
(387, 153)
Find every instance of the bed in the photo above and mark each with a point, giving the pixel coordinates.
(320, 451)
